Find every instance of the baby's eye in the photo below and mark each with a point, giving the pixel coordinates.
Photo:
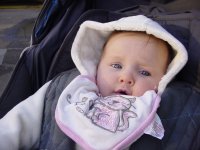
(145, 73)
(116, 66)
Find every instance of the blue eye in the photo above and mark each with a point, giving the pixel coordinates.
(116, 66)
(144, 73)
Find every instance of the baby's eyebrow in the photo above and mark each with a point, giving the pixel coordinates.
(147, 67)
(116, 57)
(146, 63)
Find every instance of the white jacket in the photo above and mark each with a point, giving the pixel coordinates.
(20, 127)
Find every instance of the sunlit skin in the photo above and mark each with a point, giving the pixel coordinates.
(131, 63)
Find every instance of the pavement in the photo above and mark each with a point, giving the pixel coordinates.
(16, 26)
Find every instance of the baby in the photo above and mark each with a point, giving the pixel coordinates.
(124, 68)
(118, 92)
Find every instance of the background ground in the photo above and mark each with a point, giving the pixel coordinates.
(16, 24)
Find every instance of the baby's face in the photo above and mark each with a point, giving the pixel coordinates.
(131, 63)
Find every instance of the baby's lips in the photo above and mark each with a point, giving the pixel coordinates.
(122, 92)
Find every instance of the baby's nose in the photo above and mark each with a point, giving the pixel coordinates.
(130, 82)
(126, 79)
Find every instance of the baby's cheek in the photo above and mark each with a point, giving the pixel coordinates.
(102, 87)
(104, 92)
(141, 88)
(138, 92)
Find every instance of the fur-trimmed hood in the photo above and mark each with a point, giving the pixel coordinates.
(91, 37)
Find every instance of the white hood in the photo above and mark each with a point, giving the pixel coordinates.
(89, 41)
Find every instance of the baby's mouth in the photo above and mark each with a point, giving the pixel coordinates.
(121, 92)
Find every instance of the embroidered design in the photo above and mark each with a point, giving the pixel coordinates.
(84, 105)
(157, 129)
(111, 113)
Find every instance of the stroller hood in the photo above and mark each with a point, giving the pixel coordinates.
(91, 37)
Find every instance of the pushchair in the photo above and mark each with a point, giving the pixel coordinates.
(49, 55)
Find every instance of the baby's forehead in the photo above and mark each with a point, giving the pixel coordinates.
(136, 37)
(149, 46)
(121, 41)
